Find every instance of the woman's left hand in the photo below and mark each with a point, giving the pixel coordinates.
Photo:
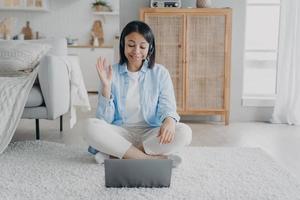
(167, 131)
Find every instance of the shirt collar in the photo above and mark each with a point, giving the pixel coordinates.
(145, 66)
(123, 68)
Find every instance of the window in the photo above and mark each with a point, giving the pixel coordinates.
(260, 64)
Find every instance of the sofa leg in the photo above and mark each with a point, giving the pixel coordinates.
(37, 129)
(61, 123)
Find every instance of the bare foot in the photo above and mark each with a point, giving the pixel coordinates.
(141, 147)
(135, 153)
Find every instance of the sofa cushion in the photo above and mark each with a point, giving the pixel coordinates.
(17, 58)
(35, 97)
(35, 113)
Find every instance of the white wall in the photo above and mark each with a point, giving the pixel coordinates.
(75, 19)
(65, 18)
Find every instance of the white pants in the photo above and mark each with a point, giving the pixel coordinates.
(116, 140)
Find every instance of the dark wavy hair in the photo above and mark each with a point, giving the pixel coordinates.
(143, 29)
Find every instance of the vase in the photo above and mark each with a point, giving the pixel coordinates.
(203, 3)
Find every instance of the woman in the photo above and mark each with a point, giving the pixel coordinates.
(136, 114)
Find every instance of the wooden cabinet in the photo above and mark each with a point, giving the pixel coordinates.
(195, 46)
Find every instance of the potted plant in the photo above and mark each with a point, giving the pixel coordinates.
(101, 6)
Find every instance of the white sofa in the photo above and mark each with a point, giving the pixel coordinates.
(50, 96)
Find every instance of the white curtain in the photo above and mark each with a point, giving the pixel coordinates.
(287, 104)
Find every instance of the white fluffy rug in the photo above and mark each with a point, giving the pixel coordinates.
(45, 170)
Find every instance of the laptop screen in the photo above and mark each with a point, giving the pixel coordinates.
(137, 173)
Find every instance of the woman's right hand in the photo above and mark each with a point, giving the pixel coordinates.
(105, 74)
(104, 71)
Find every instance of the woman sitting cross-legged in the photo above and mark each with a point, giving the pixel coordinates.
(136, 114)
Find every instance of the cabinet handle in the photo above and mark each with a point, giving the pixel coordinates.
(179, 45)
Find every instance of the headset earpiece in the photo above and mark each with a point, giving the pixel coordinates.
(151, 50)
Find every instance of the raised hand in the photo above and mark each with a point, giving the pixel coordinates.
(105, 72)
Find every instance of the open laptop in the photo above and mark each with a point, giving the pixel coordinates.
(137, 173)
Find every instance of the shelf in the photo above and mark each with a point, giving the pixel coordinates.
(106, 13)
(24, 9)
(89, 46)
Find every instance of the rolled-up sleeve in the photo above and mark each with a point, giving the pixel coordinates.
(167, 102)
(105, 108)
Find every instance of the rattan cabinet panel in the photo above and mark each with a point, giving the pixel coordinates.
(206, 58)
(195, 46)
(169, 42)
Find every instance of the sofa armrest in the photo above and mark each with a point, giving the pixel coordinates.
(55, 85)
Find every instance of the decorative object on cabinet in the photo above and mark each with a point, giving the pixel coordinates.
(71, 41)
(37, 35)
(27, 31)
(8, 3)
(165, 3)
(16, 2)
(11, 3)
(95, 40)
(6, 27)
(24, 5)
(101, 6)
(30, 3)
(195, 46)
(97, 34)
(38, 3)
(203, 3)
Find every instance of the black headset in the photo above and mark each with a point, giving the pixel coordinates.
(151, 50)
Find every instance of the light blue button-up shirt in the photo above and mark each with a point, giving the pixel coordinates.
(157, 97)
